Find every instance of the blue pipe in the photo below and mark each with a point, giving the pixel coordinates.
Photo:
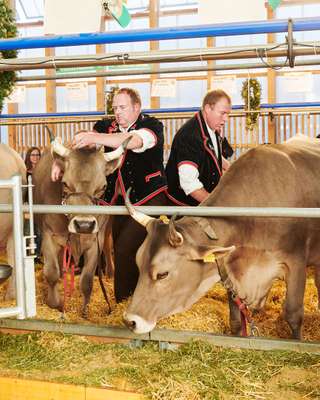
(143, 35)
(154, 111)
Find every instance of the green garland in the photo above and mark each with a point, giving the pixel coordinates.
(252, 102)
(8, 30)
(109, 99)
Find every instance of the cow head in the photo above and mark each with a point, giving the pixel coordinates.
(180, 261)
(172, 272)
(84, 179)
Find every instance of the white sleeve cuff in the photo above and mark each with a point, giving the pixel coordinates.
(189, 178)
(149, 139)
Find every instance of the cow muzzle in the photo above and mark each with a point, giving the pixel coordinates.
(86, 225)
(137, 324)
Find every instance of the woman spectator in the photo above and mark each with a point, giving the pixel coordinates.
(32, 157)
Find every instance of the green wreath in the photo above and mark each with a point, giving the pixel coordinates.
(251, 101)
(109, 99)
(8, 30)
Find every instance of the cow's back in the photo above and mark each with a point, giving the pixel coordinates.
(283, 175)
(10, 164)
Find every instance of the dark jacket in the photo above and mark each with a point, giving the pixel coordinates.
(192, 144)
(143, 172)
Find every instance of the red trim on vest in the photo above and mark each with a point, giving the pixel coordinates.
(123, 189)
(188, 163)
(113, 127)
(151, 196)
(150, 176)
(205, 143)
(179, 203)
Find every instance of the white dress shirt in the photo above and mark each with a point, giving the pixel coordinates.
(189, 173)
(148, 139)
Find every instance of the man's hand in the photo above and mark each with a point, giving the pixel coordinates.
(84, 139)
(56, 171)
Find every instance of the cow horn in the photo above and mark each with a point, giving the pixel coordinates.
(175, 237)
(56, 145)
(51, 135)
(112, 155)
(142, 219)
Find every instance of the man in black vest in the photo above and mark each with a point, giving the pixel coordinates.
(141, 169)
(196, 159)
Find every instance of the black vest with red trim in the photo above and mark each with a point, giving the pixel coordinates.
(192, 145)
(143, 172)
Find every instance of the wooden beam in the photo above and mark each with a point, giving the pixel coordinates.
(51, 96)
(271, 79)
(154, 45)
(13, 108)
(100, 82)
(24, 389)
(211, 42)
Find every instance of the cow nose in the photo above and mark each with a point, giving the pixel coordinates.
(129, 323)
(84, 226)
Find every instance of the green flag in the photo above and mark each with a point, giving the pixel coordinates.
(119, 11)
(274, 3)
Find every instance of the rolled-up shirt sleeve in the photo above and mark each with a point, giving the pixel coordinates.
(149, 139)
(189, 177)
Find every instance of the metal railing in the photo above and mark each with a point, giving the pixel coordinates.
(274, 126)
(23, 265)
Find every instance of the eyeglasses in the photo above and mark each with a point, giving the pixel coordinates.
(35, 155)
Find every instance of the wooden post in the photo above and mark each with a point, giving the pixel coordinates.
(12, 107)
(100, 82)
(211, 42)
(154, 45)
(50, 85)
(271, 78)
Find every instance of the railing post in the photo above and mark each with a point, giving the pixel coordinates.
(18, 245)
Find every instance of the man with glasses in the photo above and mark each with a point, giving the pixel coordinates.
(141, 169)
(198, 153)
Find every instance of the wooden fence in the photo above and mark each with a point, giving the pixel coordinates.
(274, 126)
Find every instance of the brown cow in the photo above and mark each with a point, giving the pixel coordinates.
(253, 251)
(83, 183)
(10, 164)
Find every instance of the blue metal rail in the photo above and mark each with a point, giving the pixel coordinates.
(153, 111)
(143, 35)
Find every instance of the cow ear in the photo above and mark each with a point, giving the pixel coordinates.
(211, 253)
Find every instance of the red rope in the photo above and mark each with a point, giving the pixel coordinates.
(244, 313)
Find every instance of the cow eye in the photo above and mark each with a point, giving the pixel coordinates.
(162, 275)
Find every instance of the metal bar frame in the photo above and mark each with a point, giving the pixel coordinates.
(143, 35)
(127, 72)
(200, 211)
(20, 310)
(167, 112)
(262, 51)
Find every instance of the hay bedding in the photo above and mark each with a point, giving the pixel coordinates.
(209, 314)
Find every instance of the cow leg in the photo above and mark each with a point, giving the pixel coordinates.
(86, 279)
(11, 290)
(317, 282)
(234, 316)
(293, 308)
(51, 271)
(109, 257)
